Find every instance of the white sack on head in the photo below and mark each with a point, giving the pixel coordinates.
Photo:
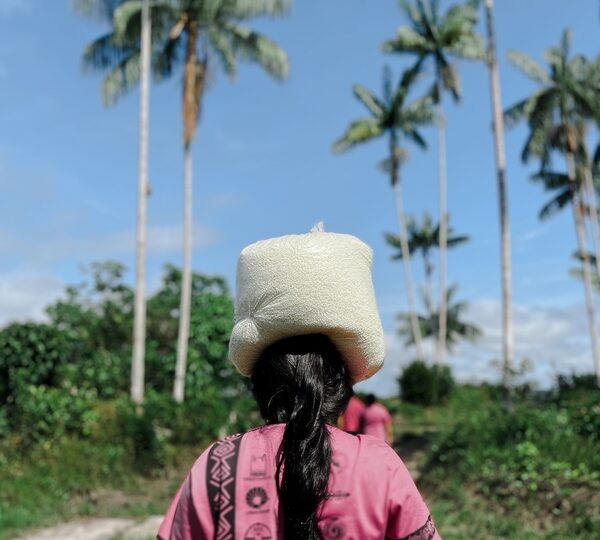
(312, 283)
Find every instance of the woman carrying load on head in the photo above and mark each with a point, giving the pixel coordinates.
(306, 329)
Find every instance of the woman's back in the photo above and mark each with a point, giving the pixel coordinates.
(232, 487)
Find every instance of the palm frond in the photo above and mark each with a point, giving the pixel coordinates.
(104, 53)
(551, 180)
(529, 66)
(255, 47)
(221, 47)
(248, 9)
(358, 132)
(369, 100)
(170, 55)
(121, 79)
(469, 47)
(407, 40)
(556, 204)
(420, 112)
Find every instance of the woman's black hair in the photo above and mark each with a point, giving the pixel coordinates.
(302, 382)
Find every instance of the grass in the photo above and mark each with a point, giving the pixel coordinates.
(481, 489)
(75, 478)
(533, 480)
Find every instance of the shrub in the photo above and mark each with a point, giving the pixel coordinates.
(425, 385)
(46, 413)
(32, 353)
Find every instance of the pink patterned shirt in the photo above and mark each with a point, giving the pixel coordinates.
(230, 493)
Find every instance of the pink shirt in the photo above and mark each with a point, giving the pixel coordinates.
(374, 419)
(352, 415)
(232, 484)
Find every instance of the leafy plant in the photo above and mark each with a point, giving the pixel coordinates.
(425, 385)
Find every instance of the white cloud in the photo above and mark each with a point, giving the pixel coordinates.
(554, 338)
(25, 293)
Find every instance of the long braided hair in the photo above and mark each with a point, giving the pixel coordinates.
(302, 382)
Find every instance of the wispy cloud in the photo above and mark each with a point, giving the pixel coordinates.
(25, 294)
(554, 339)
(162, 240)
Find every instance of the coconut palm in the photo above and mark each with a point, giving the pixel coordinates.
(196, 36)
(436, 37)
(499, 153)
(553, 113)
(393, 117)
(105, 9)
(423, 238)
(456, 329)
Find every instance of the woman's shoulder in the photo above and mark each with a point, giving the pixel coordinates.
(366, 448)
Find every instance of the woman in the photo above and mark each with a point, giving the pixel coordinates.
(306, 329)
(376, 420)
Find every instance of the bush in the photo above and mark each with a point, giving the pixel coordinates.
(516, 454)
(46, 413)
(32, 353)
(425, 385)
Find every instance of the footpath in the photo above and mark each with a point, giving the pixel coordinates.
(99, 529)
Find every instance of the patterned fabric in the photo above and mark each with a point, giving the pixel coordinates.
(426, 532)
(220, 485)
(231, 494)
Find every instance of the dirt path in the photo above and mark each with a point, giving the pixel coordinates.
(99, 529)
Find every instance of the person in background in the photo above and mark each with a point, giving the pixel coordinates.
(376, 420)
(350, 420)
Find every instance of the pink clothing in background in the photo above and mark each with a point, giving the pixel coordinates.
(352, 414)
(374, 419)
(232, 485)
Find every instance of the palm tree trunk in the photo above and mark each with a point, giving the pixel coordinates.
(498, 124)
(186, 280)
(414, 321)
(429, 293)
(139, 316)
(593, 211)
(441, 341)
(193, 81)
(585, 263)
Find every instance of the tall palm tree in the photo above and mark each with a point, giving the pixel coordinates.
(553, 113)
(105, 9)
(457, 329)
(195, 35)
(431, 35)
(500, 156)
(423, 238)
(393, 117)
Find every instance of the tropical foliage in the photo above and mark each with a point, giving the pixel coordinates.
(431, 36)
(397, 120)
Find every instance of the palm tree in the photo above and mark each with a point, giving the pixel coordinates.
(392, 117)
(431, 35)
(553, 113)
(423, 238)
(105, 9)
(194, 35)
(456, 329)
(499, 153)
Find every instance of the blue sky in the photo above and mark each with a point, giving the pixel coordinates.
(263, 167)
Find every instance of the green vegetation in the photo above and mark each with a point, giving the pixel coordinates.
(70, 435)
(425, 385)
(529, 473)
